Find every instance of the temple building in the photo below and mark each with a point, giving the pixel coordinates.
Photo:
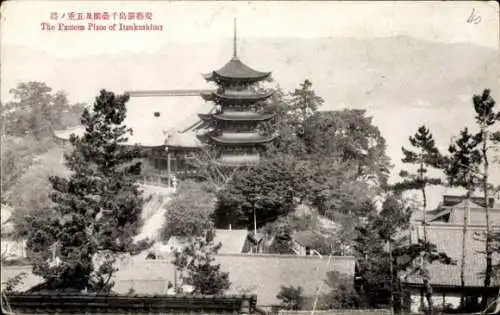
(457, 227)
(166, 123)
(238, 102)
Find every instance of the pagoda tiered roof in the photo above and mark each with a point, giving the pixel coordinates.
(242, 138)
(237, 116)
(235, 95)
(236, 70)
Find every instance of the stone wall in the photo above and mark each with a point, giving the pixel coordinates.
(340, 312)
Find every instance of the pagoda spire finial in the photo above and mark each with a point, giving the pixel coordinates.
(235, 43)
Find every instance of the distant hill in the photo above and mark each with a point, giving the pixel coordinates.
(403, 82)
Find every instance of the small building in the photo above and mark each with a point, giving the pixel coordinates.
(232, 241)
(445, 228)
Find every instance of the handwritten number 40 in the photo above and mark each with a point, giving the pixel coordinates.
(473, 18)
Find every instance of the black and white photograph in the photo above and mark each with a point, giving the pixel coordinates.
(250, 157)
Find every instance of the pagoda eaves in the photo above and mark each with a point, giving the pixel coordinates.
(238, 116)
(256, 139)
(235, 70)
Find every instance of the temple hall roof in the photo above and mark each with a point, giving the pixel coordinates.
(259, 274)
(154, 115)
(232, 241)
(448, 239)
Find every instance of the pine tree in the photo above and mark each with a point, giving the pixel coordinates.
(197, 268)
(426, 155)
(304, 103)
(97, 208)
(486, 118)
(384, 254)
(468, 165)
(461, 168)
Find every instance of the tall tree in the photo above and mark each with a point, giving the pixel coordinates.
(374, 243)
(30, 113)
(425, 155)
(334, 188)
(486, 118)
(284, 123)
(349, 136)
(27, 127)
(462, 169)
(304, 103)
(385, 253)
(98, 207)
(261, 194)
(36, 111)
(469, 162)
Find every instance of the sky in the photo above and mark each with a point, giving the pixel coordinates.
(193, 21)
(188, 22)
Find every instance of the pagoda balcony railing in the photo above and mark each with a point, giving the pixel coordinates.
(239, 135)
(230, 91)
(233, 158)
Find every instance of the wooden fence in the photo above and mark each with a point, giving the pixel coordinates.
(64, 303)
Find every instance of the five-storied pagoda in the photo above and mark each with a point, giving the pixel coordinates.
(233, 125)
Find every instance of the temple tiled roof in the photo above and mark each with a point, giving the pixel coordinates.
(261, 274)
(188, 139)
(232, 241)
(249, 274)
(448, 239)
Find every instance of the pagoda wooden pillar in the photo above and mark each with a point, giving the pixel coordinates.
(169, 180)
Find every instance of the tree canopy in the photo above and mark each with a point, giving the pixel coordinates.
(37, 112)
(188, 213)
(27, 124)
(97, 208)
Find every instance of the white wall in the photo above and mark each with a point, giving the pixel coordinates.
(13, 248)
(437, 299)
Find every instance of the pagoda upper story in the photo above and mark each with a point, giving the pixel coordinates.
(238, 100)
(236, 72)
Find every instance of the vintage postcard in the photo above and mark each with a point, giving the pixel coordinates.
(282, 156)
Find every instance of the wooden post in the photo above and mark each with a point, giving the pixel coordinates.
(444, 303)
(464, 241)
(392, 276)
(169, 181)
